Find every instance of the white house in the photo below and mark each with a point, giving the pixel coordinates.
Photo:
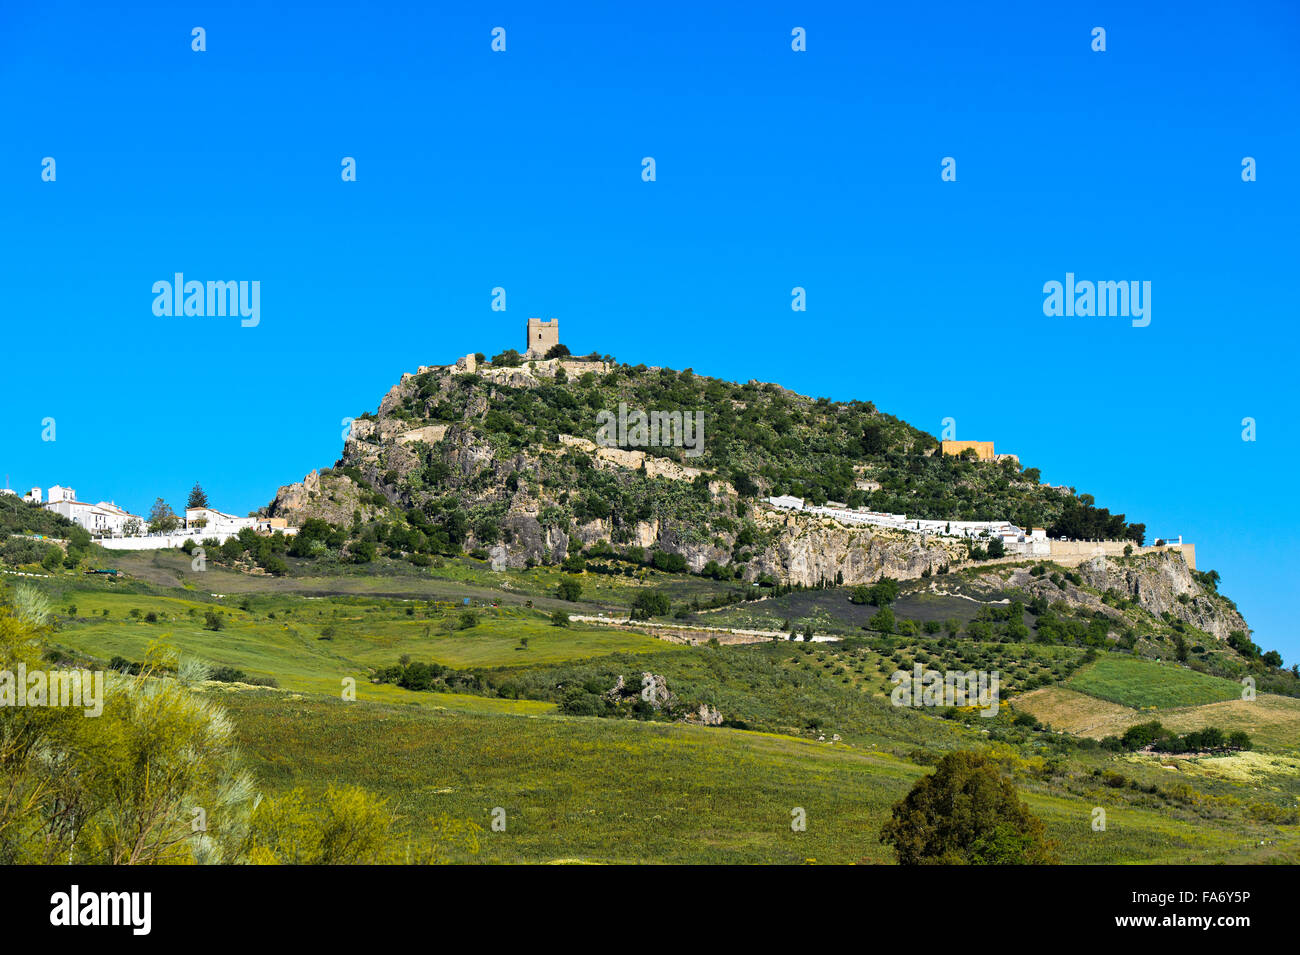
(116, 518)
(33, 496)
(787, 501)
(58, 494)
(75, 511)
(104, 519)
(210, 521)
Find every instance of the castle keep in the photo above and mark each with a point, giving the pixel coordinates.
(542, 337)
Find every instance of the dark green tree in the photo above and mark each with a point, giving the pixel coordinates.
(966, 813)
(198, 497)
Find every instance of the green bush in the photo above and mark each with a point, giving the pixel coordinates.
(649, 604)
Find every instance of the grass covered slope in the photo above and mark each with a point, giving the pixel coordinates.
(1144, 683)
(620, 791)
(310, 644)
(505, 725)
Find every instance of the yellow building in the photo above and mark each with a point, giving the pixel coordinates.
(983, 449)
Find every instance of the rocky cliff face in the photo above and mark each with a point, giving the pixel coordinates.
(810, 550)
(334, 498)
(1158, 583)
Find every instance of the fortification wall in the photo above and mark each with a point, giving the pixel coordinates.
(983, 449)
(1074, 552)
(1089, 548)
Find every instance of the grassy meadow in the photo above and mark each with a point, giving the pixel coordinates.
(1145, 683)
(623, 791)
(809, 725)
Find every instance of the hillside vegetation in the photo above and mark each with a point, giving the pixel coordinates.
(508, 458)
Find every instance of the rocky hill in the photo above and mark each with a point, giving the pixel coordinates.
(1147, 593)
(508, 458)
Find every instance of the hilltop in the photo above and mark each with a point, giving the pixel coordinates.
(510, 460)
(508, 457)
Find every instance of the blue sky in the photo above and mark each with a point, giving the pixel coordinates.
(775, 169)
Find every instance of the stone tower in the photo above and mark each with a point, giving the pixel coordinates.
(542, 336)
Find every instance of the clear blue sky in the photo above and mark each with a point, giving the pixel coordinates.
(775, 169)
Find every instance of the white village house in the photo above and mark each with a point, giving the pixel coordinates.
(104, 519)
(1016, 540)
(215, 523)
(119, 529)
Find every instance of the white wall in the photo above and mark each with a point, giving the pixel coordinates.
(160, 541)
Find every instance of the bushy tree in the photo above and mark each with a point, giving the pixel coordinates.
(966, 813)
(162, 519)
(344, 826)
(884, 591)
(649, 604)
(509, 358)
(882, 620)
(745, 485)
(119, 788)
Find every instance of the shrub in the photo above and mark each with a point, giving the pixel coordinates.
(509, 358)
(649, 604)
(966, 812)
(669, 563)
(882, 620)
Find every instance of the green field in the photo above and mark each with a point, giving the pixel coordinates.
(605, 789)
(615, 791)
(1144, 683)
(311, 644)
